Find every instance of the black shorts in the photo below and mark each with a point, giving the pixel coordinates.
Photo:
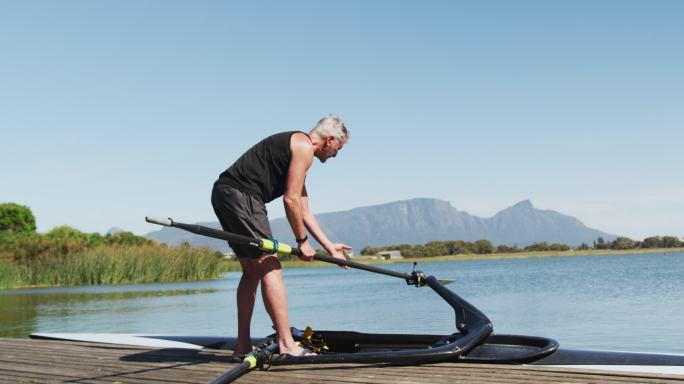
(243, 214)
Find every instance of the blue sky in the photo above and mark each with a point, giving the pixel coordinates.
(112, 110)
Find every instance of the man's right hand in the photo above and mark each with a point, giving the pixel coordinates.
(307, 252)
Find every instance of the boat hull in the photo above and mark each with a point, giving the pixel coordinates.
(496, 349)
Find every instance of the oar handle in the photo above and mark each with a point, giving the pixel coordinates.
(155, 220)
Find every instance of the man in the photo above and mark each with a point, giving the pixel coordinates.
(274, 167)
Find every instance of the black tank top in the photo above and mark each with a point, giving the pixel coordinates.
(262, 171)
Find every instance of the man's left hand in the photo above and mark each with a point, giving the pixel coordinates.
(337, 251)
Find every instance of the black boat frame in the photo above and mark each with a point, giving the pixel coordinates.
(472, 326)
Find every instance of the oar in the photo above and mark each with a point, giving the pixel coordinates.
(255, 359)
(415, 278)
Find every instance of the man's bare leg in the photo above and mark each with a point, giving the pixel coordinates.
(246, 295)
(274, 294)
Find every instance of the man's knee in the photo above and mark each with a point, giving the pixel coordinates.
(251, 276)
(269, 264)
(249, 269)
(258, 268)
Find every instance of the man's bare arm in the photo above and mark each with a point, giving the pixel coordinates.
(311, 223)
(302, 158)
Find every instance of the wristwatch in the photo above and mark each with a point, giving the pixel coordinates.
(306, 237)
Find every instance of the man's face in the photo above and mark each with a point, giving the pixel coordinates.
(330, 149)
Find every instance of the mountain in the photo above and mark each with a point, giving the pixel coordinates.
(403, 222)
(523, 224)
(418, 221)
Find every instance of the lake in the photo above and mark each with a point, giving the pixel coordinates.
(614, 302)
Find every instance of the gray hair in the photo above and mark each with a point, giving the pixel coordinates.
(331, 125)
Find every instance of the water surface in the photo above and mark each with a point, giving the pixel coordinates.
(615, 302)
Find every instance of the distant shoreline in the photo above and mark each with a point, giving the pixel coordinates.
(493, 256)
(233, 266)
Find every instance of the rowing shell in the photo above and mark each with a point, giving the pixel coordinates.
(495, 349)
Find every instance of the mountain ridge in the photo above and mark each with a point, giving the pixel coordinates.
(419, 220)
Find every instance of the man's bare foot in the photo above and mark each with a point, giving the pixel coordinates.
(296, 351)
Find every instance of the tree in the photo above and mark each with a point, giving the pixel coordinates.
(16, 218)
(65, 232)
(436, 248)
(483, 247)
(368, 251)
(651, 242)
(558, 247)
(405, 249)
(456, 247)
(503, 248)
(600, 243)
(127, 238)
(623, 243)
(670, 242)
(537, 247)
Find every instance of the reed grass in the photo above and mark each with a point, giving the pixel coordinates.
(114, 264)
(9, 275)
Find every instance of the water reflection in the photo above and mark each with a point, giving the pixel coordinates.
(21, 309)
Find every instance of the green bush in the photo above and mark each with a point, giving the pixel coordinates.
(623, 243)
(537, 247)
(16, 218)
(483, 247)
(22, 247)
(558, 247)
(126, 238)
(503, 248)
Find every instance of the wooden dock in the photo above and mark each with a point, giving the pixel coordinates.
(42, 361)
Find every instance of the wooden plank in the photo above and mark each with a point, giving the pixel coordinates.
(85, 371)
(14, 376)
(478, 374)
(550, 372)
(42, 361)
(94, 362)
(184, 360)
